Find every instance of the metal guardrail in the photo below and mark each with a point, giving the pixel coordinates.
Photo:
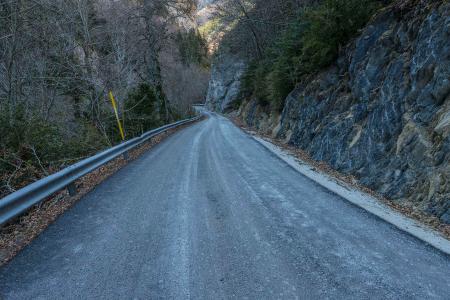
(20, 201)
(199, 108)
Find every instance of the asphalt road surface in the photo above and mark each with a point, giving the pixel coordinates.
(211, 214)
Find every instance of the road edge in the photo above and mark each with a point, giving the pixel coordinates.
(38, 218)
(360, 199)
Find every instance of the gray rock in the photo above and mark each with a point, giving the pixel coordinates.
(399, 77)
(381, 113)
(225, 83)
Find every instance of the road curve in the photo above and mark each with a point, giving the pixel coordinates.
(211, 214)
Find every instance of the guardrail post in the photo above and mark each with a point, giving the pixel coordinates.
(72, 188)
(21, 200)
(126, 156)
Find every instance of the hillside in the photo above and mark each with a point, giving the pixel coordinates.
(60, 59)
(380, 111)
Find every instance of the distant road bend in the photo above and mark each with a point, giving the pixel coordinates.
(211, 214)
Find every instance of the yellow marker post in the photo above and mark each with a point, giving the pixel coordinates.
(113, 101)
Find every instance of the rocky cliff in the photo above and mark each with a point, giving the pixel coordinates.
(225, 83)
(380, 113)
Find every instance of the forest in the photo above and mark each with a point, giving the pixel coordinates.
(284, 42)
(60, 59)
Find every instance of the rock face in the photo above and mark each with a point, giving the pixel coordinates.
(382, 112)
(225, 83)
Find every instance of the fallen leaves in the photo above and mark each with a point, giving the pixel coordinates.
(406, 208)
(20, 232)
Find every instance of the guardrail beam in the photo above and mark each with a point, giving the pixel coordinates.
(20, 201)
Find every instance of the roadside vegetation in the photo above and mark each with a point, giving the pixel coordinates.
(58, 62)
(289, 41)
(193, 48)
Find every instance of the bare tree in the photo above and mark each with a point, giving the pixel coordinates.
(59, 58)
(257, 21)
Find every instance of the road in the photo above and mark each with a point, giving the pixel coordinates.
(211, 214)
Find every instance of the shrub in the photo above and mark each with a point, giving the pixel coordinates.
(330, 26)
(193, 48)
(87, 140)
(31, 147)
(307, 45)
(25, 131)
(144, 110)
(279, 83)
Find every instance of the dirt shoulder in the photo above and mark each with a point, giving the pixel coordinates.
(24, 229)
(406, 209)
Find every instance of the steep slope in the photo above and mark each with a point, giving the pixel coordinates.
(225, 83)
(382, 111)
